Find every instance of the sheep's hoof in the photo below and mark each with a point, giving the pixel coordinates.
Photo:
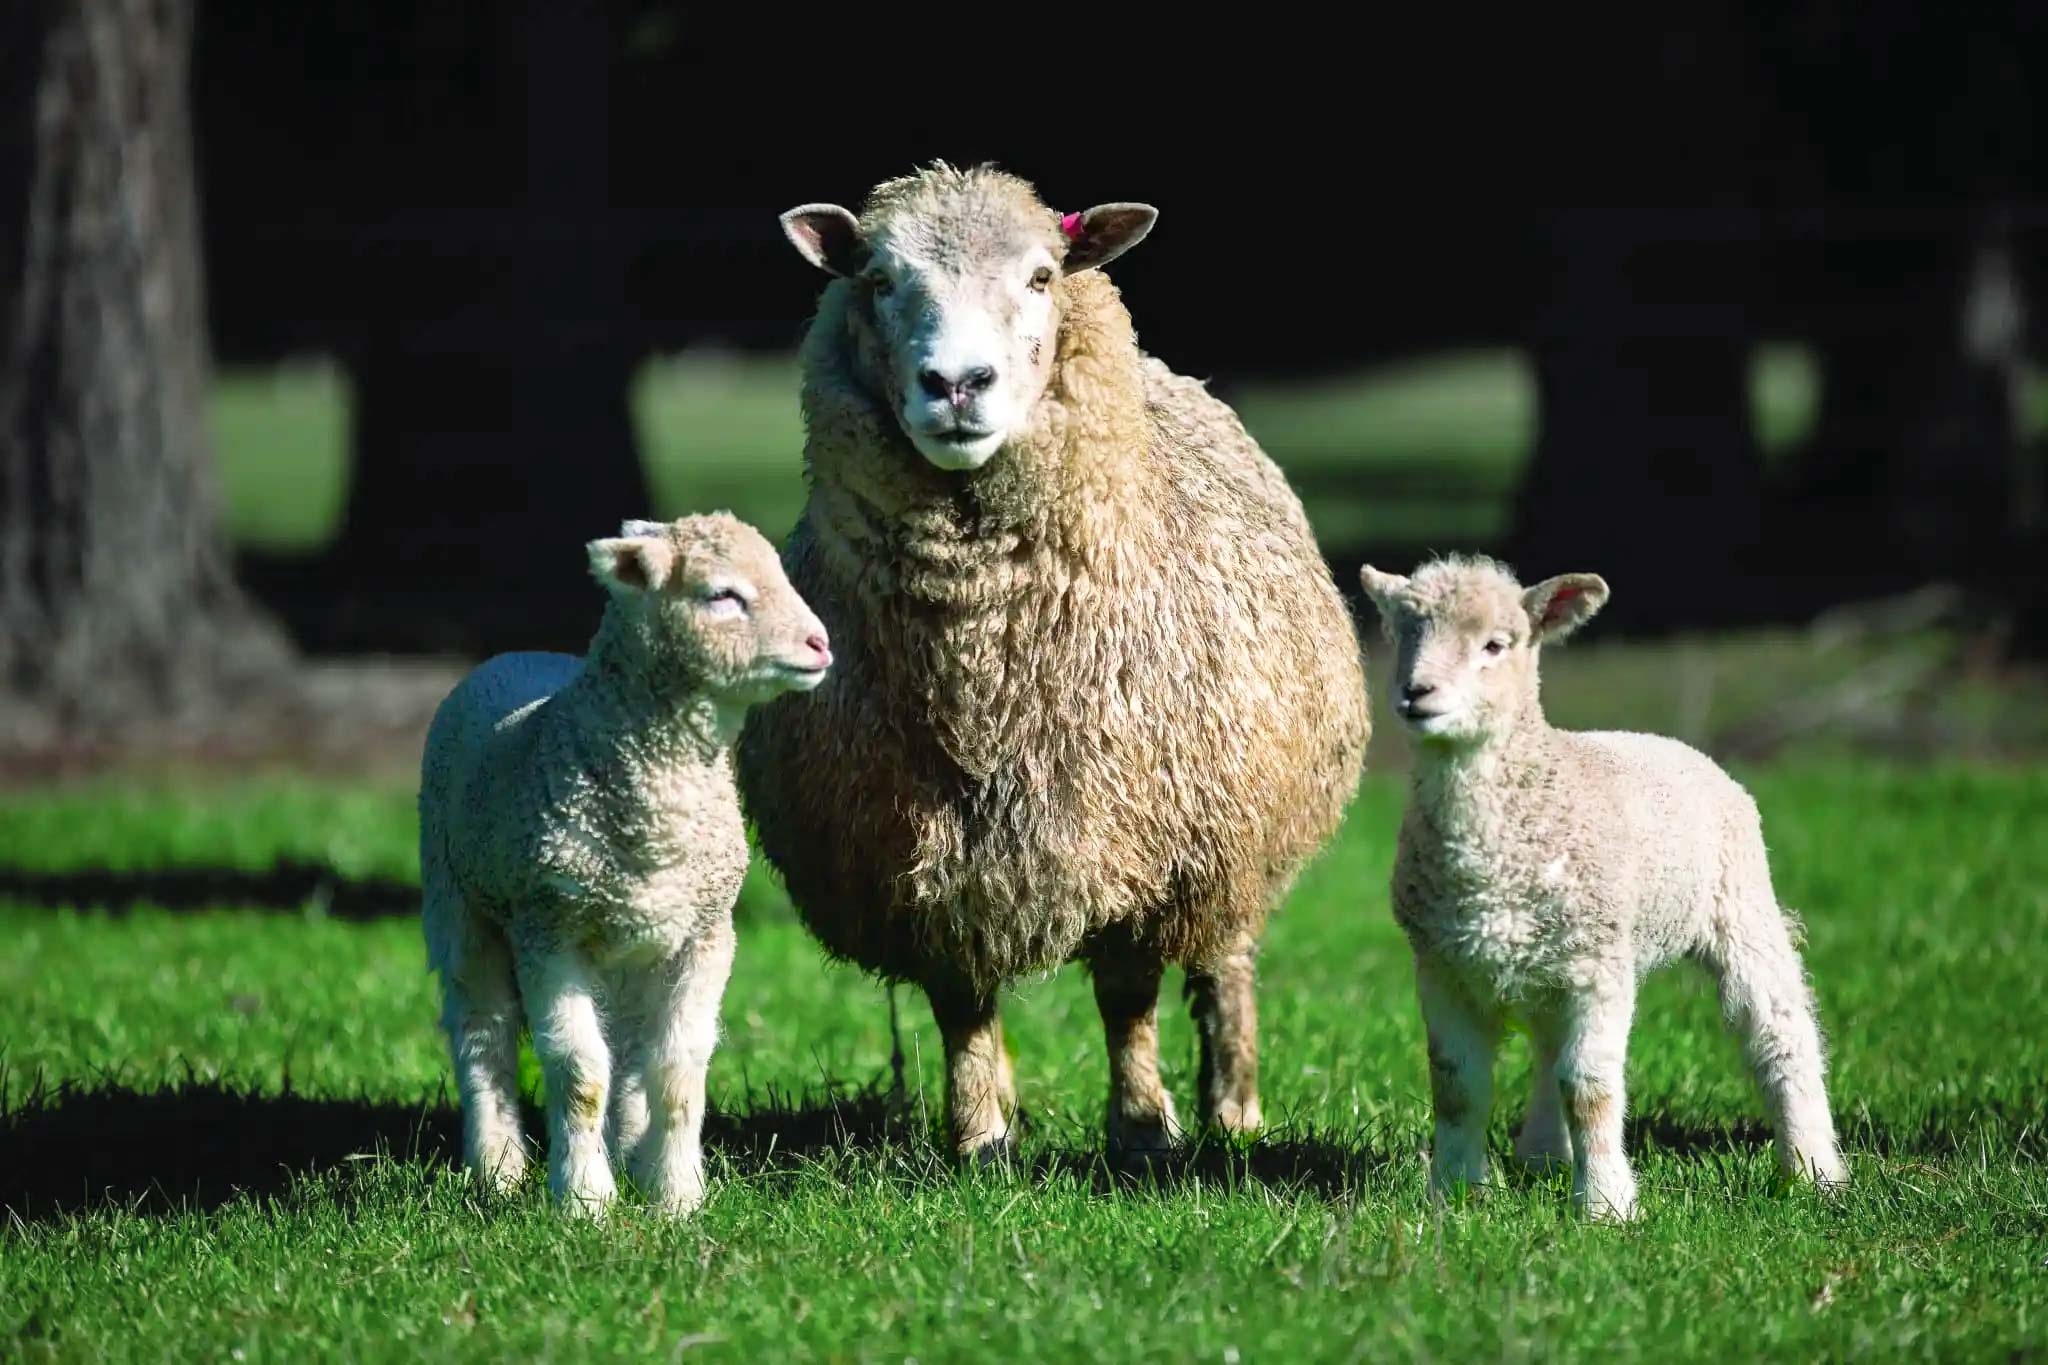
(1460, 1191)
(1619, 1208)
(1824, 1169)
(1238, 1118)
(592, 1204)
(1144, 1135)
(680, 1204)
(996, 1153)
(583, 1193)
(1540, 1154)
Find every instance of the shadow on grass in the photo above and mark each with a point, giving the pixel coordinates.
(286, 887)
(198, 1146)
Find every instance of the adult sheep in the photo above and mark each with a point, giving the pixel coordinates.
(1097, 696)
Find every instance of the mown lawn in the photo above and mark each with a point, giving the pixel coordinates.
(156, 1060)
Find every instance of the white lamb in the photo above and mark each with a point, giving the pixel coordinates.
(581, 846)
(1541, 873)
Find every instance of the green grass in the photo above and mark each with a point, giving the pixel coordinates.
(296, 1056)
(1426, 448)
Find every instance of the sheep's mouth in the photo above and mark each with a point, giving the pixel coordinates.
(959, 436)
(1420, 718)
(804, 675)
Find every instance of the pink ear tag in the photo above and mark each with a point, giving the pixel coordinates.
(1071, 225)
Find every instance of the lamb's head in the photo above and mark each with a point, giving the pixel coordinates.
(707, 597)
(1466, 636)
(957, 280)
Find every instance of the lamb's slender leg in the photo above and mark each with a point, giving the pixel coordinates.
(1462, 1041)
(1141, 1118)
(1223, 999)
(1591, 1074)
(682, 1031)
(1544, 1142)
(1766, 1000)
(561, 1007)
(480, 1011)
(976, 1069)
(631, 999)
(629, 1102)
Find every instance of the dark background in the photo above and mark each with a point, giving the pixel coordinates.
(490, 214)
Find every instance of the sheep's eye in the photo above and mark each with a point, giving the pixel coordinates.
(881, 285)
(1041, 278)
(1496, 645)
(726, 602)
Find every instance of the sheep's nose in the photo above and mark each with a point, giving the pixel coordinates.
(1416, 691)
(956, 389)
(820, 646)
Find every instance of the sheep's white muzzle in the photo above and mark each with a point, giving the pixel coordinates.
(955, 447)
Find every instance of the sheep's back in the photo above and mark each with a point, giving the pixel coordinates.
(469, 772)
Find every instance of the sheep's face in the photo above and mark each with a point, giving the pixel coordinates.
(710, 599)
(957, 288)
(1466, 638)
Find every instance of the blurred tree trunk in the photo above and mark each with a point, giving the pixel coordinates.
(493, 436)
(117, 603)
(1911, 465)
(1647, 468)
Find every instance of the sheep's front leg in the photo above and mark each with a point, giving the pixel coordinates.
(1223, 998)
(1141, 1118)
(568, 1034)
(1591, 1080)
(1462, 1040)
(682, 1030)
(1544, 1144)
(978, 1082)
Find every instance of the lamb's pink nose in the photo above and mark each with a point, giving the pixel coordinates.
(821, 647)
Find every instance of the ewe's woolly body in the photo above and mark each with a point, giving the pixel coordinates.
(1106, 679)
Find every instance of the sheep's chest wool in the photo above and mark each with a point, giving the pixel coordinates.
(1103, 681)
(648, 885)
(1486, 876)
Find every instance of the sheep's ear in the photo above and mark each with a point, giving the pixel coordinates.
(1381, 587)
(631, 563)
(1558, 606)
(827, 236)
(1103, 233)
(635, 529)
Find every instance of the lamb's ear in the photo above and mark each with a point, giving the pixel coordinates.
(631, 563)
(635, 528)
(1103, 233)
(827, 236)
(1558, 606)
(1380, 587)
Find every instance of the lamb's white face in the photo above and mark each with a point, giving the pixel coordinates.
(1466, 638)
(712, 592)
(969, 343)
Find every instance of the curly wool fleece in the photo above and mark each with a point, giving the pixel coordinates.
(1105, 680)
